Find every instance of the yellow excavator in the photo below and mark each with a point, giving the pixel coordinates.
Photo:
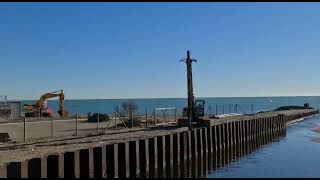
(39, 108)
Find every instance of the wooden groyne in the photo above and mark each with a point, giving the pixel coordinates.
(175, 153)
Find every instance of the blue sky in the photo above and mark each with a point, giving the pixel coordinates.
(131, 50)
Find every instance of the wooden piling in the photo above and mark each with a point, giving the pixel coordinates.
(115, 156)
(77, 164)
(43, 169)
(3, 171)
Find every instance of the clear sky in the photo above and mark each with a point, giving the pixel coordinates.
(131, 50)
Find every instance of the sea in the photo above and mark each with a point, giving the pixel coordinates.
(215, 105)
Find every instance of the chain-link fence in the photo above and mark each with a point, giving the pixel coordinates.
(41, 128)
(220, 109)
(4, 109)
(164, 116)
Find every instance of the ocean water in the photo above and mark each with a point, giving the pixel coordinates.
(217, 105)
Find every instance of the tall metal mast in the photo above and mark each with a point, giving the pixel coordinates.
(190, 112)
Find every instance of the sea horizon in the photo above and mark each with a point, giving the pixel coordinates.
(275, 96)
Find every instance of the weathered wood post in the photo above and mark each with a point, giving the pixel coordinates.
(131, 117)
(39, 110)
(24, 129)
(251, 108)
(146, 117)
(51, 126)
(3, 171)
(200, 142)
(175, 115)
(214, 146)
(98, 119)
(104, 161)
(232, 139)
(77, 117)
(154, 116)
(116, 156)
(216, 109)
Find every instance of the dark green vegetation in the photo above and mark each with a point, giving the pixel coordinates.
(94, 117)
(305, 106)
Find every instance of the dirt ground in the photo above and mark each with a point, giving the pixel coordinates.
(41, 129)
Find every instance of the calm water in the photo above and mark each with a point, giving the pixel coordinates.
(244, 104)
(295, 155)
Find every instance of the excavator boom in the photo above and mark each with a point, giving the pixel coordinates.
(32, 109)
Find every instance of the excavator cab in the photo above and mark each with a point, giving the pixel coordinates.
(199, 108)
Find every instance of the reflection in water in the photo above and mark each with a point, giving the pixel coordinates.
(294, 155)
(200, 167)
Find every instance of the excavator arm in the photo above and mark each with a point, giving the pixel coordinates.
(43, 98)
(39, 105)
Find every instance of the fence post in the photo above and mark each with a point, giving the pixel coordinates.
(154, 116)
(252, 108)
(39, 114)
(131, 116)
(77, 125)
(24, 129)
(216, 109)
(146, 117)
(175, 115)
(51, 126)
(115, 121)
(98, 123)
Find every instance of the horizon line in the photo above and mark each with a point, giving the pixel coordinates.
(172, 97)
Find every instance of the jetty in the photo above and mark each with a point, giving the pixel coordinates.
(145, 152)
